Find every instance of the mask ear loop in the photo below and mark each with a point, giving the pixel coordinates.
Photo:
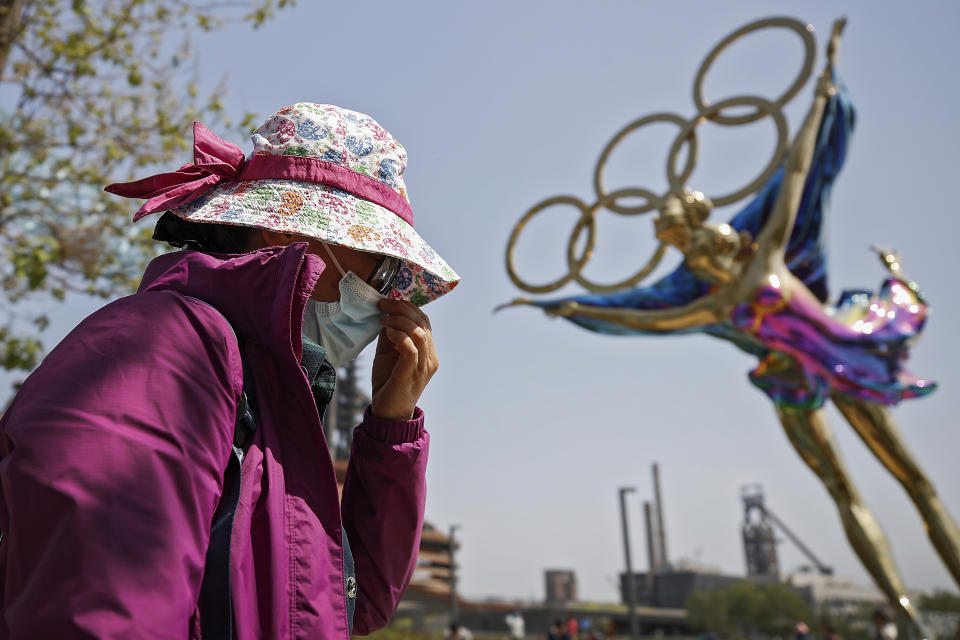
(334, 258)
(362, 285)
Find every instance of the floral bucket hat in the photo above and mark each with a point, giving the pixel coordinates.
(316, 170)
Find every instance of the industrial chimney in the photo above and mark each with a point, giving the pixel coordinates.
(663, 561)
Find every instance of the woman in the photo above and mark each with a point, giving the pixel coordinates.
(117, 452)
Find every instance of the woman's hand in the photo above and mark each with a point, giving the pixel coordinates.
(405, 361)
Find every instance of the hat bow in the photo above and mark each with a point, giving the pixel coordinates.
(214, 161)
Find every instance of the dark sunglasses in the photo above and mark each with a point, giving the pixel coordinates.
(385, 275)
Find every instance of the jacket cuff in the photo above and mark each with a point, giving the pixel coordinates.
(393, 431)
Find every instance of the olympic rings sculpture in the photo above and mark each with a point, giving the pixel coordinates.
(676, 178)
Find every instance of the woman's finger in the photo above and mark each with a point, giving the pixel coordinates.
(405, 309)
(417, 333)
(407, 351)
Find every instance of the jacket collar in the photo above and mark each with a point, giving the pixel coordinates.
(262, 293)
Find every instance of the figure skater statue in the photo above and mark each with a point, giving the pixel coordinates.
(759, 281)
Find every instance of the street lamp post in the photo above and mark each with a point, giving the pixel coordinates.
(631, 583)
(454, 613)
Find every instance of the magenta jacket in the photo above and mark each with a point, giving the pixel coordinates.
(112, 459)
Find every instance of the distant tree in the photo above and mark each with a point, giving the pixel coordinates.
(707, 611)
(940, 600)
(783, 608)
(746, 605)
(91, 92)
(747, 608)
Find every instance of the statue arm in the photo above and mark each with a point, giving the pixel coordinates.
(699, 313)
(773, 239)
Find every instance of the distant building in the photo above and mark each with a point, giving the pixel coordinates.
(672, 588)
(344, 412)
(835, 596)
(561, 586)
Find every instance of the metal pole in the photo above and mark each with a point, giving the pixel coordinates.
(631, 582)
(454, 613)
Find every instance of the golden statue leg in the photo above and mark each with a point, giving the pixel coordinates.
(879, 431)
(810, 434)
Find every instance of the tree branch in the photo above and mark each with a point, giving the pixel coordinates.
(10, 14)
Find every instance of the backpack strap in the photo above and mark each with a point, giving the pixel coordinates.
(216, 603)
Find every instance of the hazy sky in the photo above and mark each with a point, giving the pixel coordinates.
(535, 423)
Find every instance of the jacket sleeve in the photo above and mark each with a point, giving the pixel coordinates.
(383, 502)
(113, 455)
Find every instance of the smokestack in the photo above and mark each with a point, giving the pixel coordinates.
(651, 541)
(661, 532)
(652, 564)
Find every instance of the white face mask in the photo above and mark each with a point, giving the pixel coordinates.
(346, 327)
